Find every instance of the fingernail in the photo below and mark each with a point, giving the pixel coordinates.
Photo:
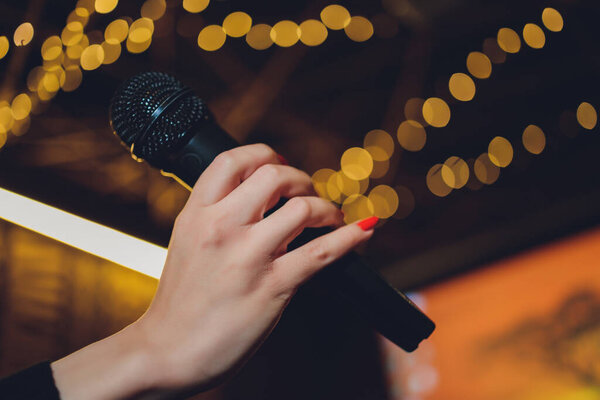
(368, 223)
(282, 159)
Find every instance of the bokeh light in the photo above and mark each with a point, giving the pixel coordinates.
(116, 31)
(455, 172)
(74, 52)
(211, 38)
(141, 30)
(23, 34)
(493, 51)
(534, 139)
(479, 65)
(359, 29)
(154, 9)
(21, 106)
(195, 6)
(313, 32)
(587, 116)
(413, 110)
(334, 192)
(435, 182)
(319, 180)
(406, 202)
(380, 169)
(259, 37)
(357, 207)
(51, 48)
(462, 87)
(384, 200)
(509, 40)
(552, 20)
(485, 170)
(4, 46)
(379, 144)
(79, 14)
(348, 186)
(285, 33)
(72, 33)
(436, 112)
(112, 51)
(335, 17)
(500, 152)
(92, 57)
(534, 36)
(21, 127)
(73, 78)
(411, 135)
(237, 24)
(6, 117)
(105, 6)
(357, 163)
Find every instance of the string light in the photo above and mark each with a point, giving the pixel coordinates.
(411, 135)
(237, 24)
(357, 163)
(587, 116)
(4, 46)
(485, 170)
(379, 144)
(23, 34)
(211, 38)
(479, 65)
(500, 151)
(435, 182)
(195, 6)
(359, 29)
(534, 36)
(534, 139)
(105, 6)
(384, 200)
(552, 20)
(455, 172)
(335, 17)
(313, 32)
(436, 112)
(508, 40)
(285, 33)
(462, 87)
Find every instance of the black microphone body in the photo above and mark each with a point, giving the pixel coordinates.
(388, 310)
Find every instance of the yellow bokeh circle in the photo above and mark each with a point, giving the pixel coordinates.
(411, 135)
(357, 207)
(313, 32)
(534, 36)
(486, 171)
(500, 151)
(455, 172)
(436, 112)
(435, 182)
(479, 65)
(357, 163)
(379, 144)
(534, 139)
(552, 20)
(509, 40)
(285, 33)
(587, 116)
(335, 17)
(211, 38)
(384, 200)
(359, 29)
(237, 24)
(462, 87)
(259, 37)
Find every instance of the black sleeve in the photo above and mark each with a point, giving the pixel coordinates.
(33, 383)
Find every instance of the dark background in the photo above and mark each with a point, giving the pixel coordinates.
(313, 103)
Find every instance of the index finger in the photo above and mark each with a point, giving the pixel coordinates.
(228, 170)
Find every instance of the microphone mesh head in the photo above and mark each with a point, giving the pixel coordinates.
(131, 112)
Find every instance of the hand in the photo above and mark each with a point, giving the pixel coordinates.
(228, 275)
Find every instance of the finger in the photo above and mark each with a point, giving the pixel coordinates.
(228, 170)
(281, 227)
(263, 189)
(294, 268)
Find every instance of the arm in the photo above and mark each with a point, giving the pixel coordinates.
(227, 278)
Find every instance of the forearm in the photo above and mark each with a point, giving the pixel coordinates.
(117, 367)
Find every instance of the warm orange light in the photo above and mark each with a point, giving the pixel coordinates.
(479, 65)
(313, 32)
(587, 116)
(105, 6)
(508, 40)
(462, 87)
(23, 34)
(411, 135)
(237, 24)
(211, 38)
(285, 33)
(335, 17)
(359, 29)
(534, 36)
(500, 151)
(436, 112)
(357, 163)
(534, 139)
(552, 20)
(195, 6)
(259, 37)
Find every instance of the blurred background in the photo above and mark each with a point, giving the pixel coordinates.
(469, 127)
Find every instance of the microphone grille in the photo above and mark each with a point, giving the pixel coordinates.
(131, 114)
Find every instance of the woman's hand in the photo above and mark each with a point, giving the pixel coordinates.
(228, 275)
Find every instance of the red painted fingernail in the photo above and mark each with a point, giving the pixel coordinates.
(368, 223)
(282, 159)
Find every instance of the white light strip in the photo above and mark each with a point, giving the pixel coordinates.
(85, 235)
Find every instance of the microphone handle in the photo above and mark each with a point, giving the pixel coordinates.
(388, 310)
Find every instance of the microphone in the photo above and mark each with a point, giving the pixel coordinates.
(164, 123)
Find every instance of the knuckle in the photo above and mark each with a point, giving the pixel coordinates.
(318, 253)
(269, 172)
(225, 161)
(264, 148)
(301, 207)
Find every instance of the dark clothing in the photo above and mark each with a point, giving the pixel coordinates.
(33, 383)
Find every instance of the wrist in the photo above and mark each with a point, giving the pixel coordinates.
(119, 366)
